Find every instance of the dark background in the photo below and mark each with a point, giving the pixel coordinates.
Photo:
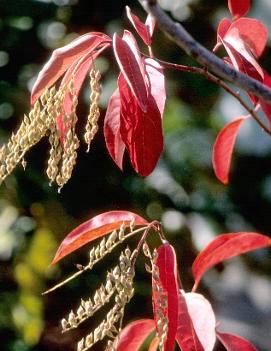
(182, 192)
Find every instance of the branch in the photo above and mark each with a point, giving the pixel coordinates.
(221, 83)
(184, 40)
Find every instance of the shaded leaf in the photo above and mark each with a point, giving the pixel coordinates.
(131, 70)
(114, 142)
(223, 148)
(141, 28)
(167, 265)
(141, 132)
(226, 246)
(134, 334)
(238, 8)
(63, 57)
(186, 336)
(203, 318)
(234, 342)
(94, 228)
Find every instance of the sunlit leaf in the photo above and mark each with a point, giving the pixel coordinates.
(252, 32)
(78, 72)
(241, 57)
(134, 334)
(156, 83)
(63, 57)
(244, 41)
(95, 228)
(233, 342)
(238, 8)
(203, 318)
(186, 335)
(226, 246)
(114, 142)
(132, 43)
(131, 70)
(222, 29)
(140, 27)
(150, 23)
(223, 148)
(167, 265)
(265, 105)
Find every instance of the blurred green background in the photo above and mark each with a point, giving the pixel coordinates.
(182, 192)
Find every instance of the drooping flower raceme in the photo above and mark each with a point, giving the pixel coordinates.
(133, 120)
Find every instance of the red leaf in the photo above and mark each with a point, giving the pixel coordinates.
(244, 40)
(186, 336)
(95, 228)
(246, 64)
(234, 342)
(222, 29)
(252, 32)
(167, 265)
(241, 56)
(141, 132)
(150, 23)
(265, 105)
(132, 70)
(79, 70)
(140, 27)
(130, 40)
(226, 246)
(238, 8)
(156, 83)
(134, 334)
(114, 142)
(63, 57)
(223, 148)
(203, 318)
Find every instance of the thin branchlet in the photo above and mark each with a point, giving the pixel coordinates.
(117, 289)
(111, 242)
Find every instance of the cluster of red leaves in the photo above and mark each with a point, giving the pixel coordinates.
(244, 40)
(191, 319)
(134, 116)
(133, 120)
